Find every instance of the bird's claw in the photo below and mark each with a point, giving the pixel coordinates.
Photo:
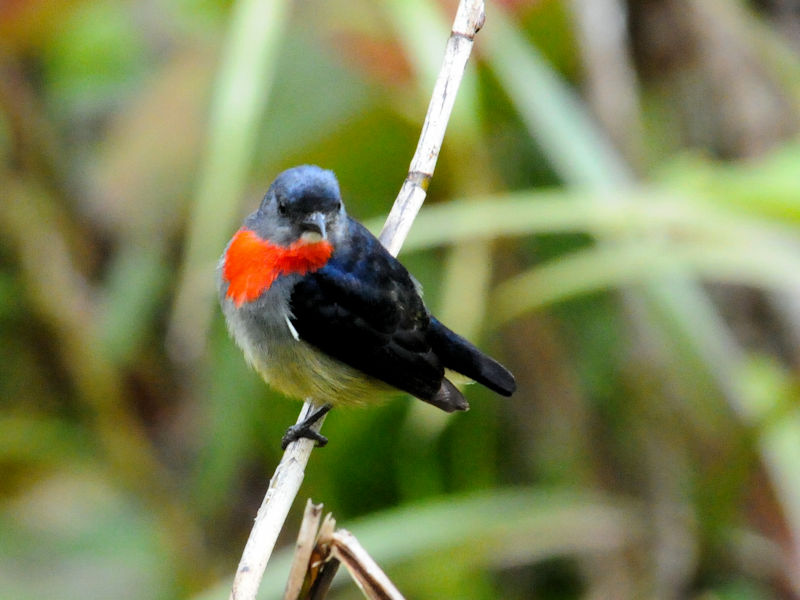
(302, 430)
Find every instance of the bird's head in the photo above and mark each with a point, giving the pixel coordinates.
(302, 206)
(294, 231)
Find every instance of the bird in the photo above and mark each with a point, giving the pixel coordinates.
(322, 310)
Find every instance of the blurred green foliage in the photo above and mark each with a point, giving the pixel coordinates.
(616, 216)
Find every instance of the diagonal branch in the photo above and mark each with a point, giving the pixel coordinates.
(288, 476)
(469, 20)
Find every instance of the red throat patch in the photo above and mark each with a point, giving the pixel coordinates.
(252, 264)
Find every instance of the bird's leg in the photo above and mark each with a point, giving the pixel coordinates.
(303, 429)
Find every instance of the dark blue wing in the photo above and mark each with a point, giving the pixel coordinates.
(363, 309)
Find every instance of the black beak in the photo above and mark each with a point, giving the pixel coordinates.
(315, 222)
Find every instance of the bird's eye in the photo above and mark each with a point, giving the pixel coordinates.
(282, 209)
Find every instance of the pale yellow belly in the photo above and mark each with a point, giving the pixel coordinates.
(301, 371)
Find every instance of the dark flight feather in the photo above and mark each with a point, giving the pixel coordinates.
(363, 309)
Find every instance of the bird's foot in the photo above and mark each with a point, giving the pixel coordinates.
(303, 429)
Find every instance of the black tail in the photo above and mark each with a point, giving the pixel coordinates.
(458, 354)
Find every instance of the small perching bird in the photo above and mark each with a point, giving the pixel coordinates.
(323, 311)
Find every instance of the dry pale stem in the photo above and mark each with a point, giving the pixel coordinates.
(303, 549)
(288, 477)
(368, 575)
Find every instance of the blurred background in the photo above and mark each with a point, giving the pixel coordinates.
(615, 216)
